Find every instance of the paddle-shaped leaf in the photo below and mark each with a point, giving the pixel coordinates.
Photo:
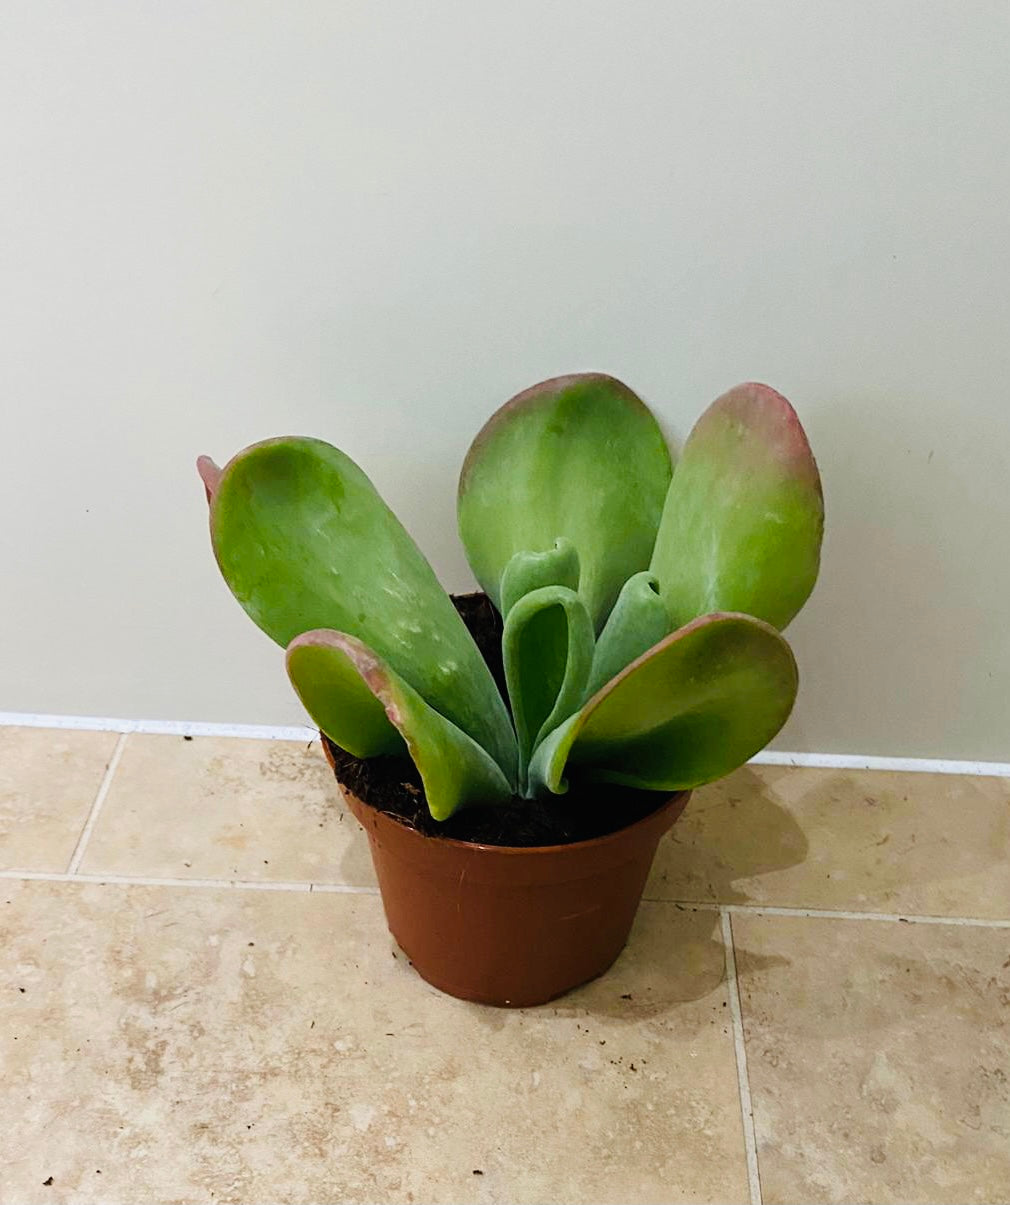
(304, 542)
(691, 709)
(547, 647)
(337, 698)
(742, 524)
(455, 770)
(561, 506)
(579, 457)
(638, 621)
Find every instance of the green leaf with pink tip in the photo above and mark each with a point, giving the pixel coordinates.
(690, 710)
(304, 542)
(455, 770)
(547, 648)
(210, 475)
(577, 457)
(744, 516)
(338, 698)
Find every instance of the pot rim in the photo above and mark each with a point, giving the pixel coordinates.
(675, 802)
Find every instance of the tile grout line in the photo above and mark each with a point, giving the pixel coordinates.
(740, 1047)
(129, 880)
(907, 918)
(343, 888)
(979, 922)
(103, 789)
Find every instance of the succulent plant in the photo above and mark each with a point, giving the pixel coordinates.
(642, 607)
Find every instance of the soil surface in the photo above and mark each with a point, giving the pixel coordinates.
(393, 785)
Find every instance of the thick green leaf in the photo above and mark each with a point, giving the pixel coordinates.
(638, 621)
(743, 520)
(528, 571)
(305, 542)
(547, 646)
(691, 709)
(579, 457)
(455, 770)
(337, 698)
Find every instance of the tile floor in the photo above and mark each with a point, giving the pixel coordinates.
(199, 1001)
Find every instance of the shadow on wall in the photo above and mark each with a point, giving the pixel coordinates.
(898, 649)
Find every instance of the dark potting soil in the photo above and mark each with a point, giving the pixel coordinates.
(393, 785)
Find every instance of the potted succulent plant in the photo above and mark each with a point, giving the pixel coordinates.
(515, 756)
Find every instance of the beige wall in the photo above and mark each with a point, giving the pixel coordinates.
(373, 222)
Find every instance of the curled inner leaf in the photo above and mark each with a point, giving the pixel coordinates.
(528, 571)
(638, 621)
(548, 650)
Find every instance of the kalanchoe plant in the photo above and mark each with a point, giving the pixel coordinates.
(641, 606)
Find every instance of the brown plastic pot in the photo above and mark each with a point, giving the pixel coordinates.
(509, 926)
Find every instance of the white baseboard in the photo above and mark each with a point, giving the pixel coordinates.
(862, 761)
(305, 733)
(93, 723)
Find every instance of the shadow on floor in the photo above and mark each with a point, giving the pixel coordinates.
(730, 831)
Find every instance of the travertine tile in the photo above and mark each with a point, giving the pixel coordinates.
(217, 807)
(870, 841)
(879, 1059)
(189, 1045)
(48, 782)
